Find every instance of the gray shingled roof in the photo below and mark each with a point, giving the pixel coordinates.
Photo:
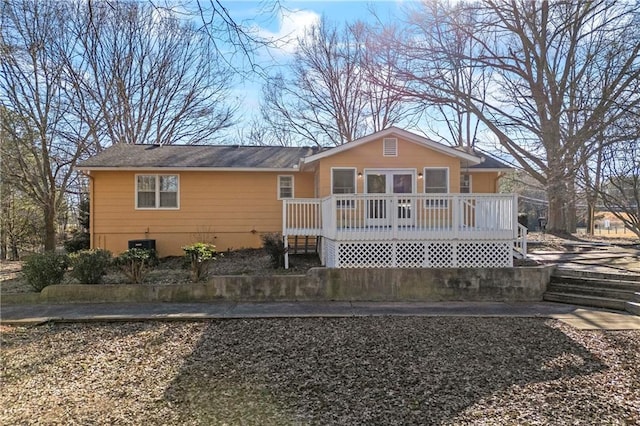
(218, 156)
(205, 156)
(489, 162)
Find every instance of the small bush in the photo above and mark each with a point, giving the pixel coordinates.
(274, 246)
(200, 255)
(90, 265)
(78, 241)
(41, 270)
(135, 263)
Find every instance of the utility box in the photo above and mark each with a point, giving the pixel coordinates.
(143, 244)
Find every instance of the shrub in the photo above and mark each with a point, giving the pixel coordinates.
(200, 255)
(90, 265)
(79, 241)
(135, 263)
(274, 246)
(41, 270)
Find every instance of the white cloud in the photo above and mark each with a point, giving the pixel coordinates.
(291, 25)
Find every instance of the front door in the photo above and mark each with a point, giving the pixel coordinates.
(381, 211)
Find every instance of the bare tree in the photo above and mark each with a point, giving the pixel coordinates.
(48, 141)
(151, 76)
(330, 98)
(561, 72)
(80, 75)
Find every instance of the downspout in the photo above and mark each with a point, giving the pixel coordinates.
(92, 241)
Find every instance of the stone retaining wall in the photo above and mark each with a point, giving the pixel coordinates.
(521, 284)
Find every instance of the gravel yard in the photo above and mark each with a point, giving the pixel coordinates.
(376, 370)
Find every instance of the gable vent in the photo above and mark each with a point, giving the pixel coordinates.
(390, 147)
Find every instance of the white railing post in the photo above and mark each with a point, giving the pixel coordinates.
(455, 212)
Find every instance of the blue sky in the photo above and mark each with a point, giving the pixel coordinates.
(290, 21)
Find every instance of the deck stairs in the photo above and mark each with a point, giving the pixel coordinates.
(303, 244)
(601, 290)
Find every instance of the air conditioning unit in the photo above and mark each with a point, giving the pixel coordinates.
(143, 244)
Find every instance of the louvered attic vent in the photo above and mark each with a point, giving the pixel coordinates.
(390, 147)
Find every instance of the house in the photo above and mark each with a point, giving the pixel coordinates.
(390, 199)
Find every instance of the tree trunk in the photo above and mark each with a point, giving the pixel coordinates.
(560, 201)
(50, 227)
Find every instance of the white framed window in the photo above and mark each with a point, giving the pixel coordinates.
(465, 183)
(285, 187)
(343, 181)
(157, 191)
(390, 147)
(436, 181)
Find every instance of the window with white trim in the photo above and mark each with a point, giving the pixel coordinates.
(436, 181)
(285, 187)
(157, 191)
(343, 181)
(465, 183)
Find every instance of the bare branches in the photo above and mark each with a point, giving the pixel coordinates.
(555, 75)
(331, 98)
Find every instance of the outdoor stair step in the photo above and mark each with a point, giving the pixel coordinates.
(584, 300)
(633, 308)
(614, 293)
(573, 273)
(598, 283)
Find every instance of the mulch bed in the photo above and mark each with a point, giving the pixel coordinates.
(376, 370)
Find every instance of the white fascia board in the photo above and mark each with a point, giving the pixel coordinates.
(189, 169)
(411, 137)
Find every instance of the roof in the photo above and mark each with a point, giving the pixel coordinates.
(256, 158)
(129, 156)
(395, 131)
(489, 163)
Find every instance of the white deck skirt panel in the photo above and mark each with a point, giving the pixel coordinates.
(410, 230)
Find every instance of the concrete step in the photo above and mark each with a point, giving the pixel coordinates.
(573, 273)
(585, 300)
(591, 290)
(633, 308)
(597, 283)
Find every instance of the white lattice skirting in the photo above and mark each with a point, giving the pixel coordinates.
(418, 254)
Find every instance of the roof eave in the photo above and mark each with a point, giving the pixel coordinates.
(411, 137)
(187, 169)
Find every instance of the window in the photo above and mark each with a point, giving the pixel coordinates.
(343, 181)
(390, 147)
(285, 187)
(465, 183)
(156, 191)
(436, 181)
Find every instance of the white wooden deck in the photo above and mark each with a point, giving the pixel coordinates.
(378, 230)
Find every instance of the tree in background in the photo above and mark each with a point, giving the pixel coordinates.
(331, 98)
(151, 76)
(559, 74)
(76, 76)
(619, 191)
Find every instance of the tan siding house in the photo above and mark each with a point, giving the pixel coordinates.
(389, 181)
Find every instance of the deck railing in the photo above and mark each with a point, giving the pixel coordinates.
(403, 216)
(301, 216)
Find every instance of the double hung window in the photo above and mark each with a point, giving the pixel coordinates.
(157, 191)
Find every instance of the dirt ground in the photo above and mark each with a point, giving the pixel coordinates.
(174, 270)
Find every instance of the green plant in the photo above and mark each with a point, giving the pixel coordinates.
(135, 263)
(79, 241)
(200, 255)
(274, 246)
(90, 265)
(41, 270)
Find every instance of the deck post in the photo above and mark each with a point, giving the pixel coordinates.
(284, 234)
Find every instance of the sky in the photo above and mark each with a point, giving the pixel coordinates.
(290, 21)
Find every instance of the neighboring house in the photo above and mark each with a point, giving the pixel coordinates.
(389, 199)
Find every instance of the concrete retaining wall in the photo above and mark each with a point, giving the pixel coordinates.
(522, 284)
